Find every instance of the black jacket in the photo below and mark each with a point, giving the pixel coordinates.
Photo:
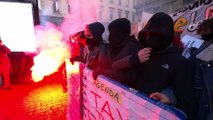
(202, 61)
(120, 45)
(126, 76)
(168, 68)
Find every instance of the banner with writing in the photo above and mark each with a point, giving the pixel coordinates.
(106, 99)
(188, 18)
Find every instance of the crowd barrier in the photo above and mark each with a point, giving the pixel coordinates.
(106, 99)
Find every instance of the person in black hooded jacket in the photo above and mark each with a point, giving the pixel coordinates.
(160, 63)
(121, 44)
(94, 42)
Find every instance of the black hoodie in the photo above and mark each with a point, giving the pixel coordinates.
(166, 66)
(119, 33)
(120, 45)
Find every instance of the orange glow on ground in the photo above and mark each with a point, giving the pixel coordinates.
(37, 101)
(46, 101)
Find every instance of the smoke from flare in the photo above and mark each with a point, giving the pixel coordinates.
(82, 13)
(52, 51)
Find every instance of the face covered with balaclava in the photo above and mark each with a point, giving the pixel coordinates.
(93, 34)
(119, 30)
(158, 32)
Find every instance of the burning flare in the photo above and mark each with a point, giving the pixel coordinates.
(52, 52)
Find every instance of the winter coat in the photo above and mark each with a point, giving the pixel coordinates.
(93, 56)
(167, 68)
(125, 76)
(203, 81)
(120, 45)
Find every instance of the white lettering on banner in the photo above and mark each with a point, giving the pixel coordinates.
(193, 6)
(112, 93)
(193, 25)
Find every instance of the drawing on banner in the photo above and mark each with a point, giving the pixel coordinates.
(209, 12)
(189, 42)
(189, 18)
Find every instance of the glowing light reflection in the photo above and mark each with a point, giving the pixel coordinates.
(71, 68)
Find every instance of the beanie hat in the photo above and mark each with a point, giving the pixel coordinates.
(97, 29)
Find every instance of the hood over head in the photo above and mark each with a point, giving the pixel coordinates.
(158, 32)
(119, 31)
(120, 27)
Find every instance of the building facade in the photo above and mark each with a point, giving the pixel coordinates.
(55, 10)
(113, 9)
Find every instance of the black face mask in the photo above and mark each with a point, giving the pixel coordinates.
(153, 42)
(114, 42)
(90, 42)
(156, 42)
(207, 37)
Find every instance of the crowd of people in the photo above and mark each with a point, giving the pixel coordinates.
(153, 63)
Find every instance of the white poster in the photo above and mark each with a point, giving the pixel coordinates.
(17, 26)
